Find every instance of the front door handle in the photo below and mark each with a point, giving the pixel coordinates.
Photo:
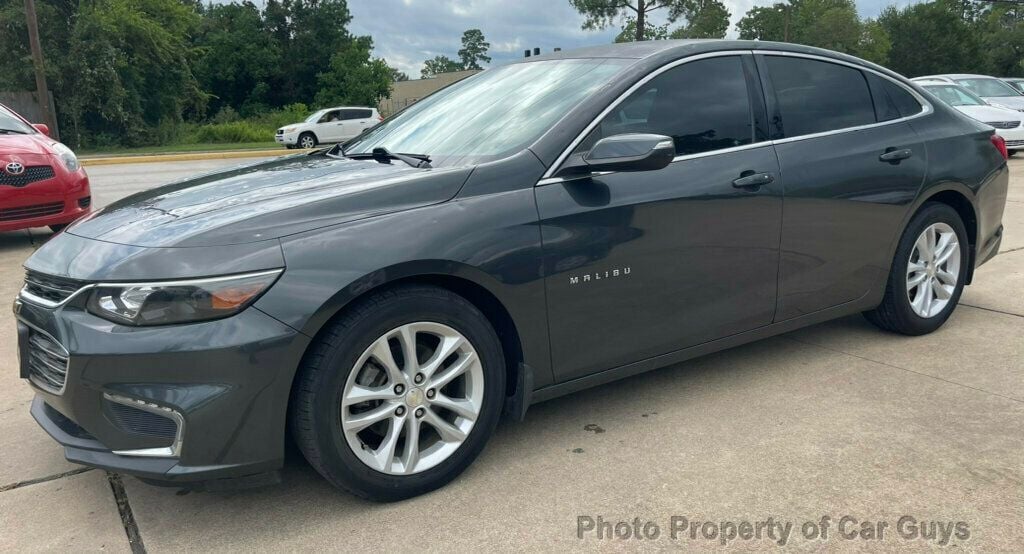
(895, 156)
(752, 181)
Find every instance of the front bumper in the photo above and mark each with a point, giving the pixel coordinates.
(1014, 137)
(225, 384)
(287, 139)
(58, 201)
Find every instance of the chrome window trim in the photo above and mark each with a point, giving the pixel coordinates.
(172, 451)
(25, 295)
(927, 109)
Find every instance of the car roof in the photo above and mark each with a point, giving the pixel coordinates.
(346, 108)
(958, 76)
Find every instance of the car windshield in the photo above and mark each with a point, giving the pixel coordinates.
(954, 95)
(490, 115)
(988, 88)
(12, 123)
(315, 116)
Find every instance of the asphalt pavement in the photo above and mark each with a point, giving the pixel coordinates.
(879, 441)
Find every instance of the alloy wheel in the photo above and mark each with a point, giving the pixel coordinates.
(307, 142)
(412, 398)
(933, 270)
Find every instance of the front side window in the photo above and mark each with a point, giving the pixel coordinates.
(816, 96)
(491, 115)
(988, 88)
(703, 105)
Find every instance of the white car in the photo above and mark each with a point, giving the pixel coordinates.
(1016, 82)
(328, 125)
(1008, 124)
(994, 91)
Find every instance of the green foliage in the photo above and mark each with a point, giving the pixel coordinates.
(932, 38)
(438, 65)
(651, 32)
(474, 49)
(353, 78)
(701, 18)
(238, 131)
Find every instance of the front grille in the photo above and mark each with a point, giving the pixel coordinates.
(47, 362)
(1014, 143)
(50, 288)
(28, 212)
(1003, 124)
(141, 422)
(280, 131)
(30, 175)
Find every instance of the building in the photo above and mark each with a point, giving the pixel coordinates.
(408, 92)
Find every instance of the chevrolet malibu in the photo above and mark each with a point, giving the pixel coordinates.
(533, 230)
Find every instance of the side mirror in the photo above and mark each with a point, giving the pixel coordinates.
(627, 152)
(44, 129)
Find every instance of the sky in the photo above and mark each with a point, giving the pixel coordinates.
(406, 32)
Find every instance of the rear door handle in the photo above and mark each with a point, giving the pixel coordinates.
(894, 156)
(752, 181)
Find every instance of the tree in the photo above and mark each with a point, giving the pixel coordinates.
(474, 49)
(831, 24)
(397, 75)
(931, 38)
(651, 32)
(601, 14)
(704, 19)
(352, 77)
(438, 65)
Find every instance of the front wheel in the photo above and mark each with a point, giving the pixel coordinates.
(399, 395)
(927, 275)
(307, 141)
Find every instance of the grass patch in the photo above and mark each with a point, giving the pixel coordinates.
(180, 148)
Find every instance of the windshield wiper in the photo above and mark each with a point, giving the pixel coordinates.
(383, 155)
(13, 131)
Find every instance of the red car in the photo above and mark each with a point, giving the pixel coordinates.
(41, 182)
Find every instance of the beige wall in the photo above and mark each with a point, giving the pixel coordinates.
(404, 93)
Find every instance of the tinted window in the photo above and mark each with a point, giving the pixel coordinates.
(702, 105)
(885, 108)
(356, 114)
(815, 96)
(905, 102)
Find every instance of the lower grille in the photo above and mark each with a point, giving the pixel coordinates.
(29, 212)
(1014, 143)
(50, 288)
(47, 362)
(31, 175)
(141, 422)
(84, 201)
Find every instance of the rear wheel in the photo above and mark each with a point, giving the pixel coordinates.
(399, 396)
(927, 275)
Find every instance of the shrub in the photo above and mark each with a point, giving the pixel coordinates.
(238, 131)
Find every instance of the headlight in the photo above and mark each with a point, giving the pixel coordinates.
(162, 303)
(290, 129)
(67, 156)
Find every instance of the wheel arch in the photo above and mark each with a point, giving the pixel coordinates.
(959, 197)
(475, 286)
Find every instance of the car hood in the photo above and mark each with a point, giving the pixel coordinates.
(1015, 102)
(267, 200)
(24, 144)
(988, 114)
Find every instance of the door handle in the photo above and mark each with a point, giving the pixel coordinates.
(894, 156)
(752, 181)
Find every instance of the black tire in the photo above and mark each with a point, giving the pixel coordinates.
(307, 135)
(58, 228)
(1011, 153)
(315, 404)
(895, 312)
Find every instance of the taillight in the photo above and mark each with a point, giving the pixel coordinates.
(1000, 145)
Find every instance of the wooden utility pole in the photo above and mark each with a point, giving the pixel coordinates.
(42, 91)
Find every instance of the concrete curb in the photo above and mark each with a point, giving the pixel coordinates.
(186, 156)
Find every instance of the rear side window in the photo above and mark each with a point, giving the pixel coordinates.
(357, 114)
(815, 96)
(703, 105)
(905, 102)
(885, 108)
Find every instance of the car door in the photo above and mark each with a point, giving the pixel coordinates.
(643, 263)
(852, 163)
(357, 120)
(331, 127)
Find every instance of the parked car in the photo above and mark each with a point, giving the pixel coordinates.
(994, 91)
(538, 228)
(328, 126)
(1016, 82)
(1008, 124)
(42, 184)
